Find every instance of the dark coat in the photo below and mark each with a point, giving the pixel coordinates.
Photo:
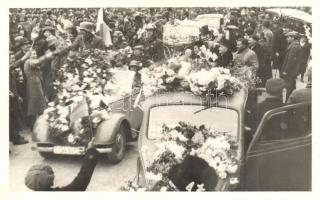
(292, 60)
(82, 180)
(16, 121)
(35, 96)
(264, 71)
(96, 42)
(305, 57)
(225, 59)
(279, 46)
(258, 110)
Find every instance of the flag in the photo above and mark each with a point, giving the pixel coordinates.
(79, 111)
(102, 29)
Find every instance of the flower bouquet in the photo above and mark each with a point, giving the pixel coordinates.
(218, 149)
(86, 82)
(176, 74)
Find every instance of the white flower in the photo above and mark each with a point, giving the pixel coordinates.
(89, 61)
(170, 72)
(170, 79)
(86, 73)
(63, 111)
(84, 66)
(231, 169)
(48, 110)
(96, 120)
(198, 138)
(64, 128)
(175, 134)
(51, 104)
(222, 175)
(234, 180)
(71, 138)
(153, 177)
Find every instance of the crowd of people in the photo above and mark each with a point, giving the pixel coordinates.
(42, 39)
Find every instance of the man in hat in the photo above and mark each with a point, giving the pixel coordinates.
(264, 71)
(41, 177)
(224, 53)
(91, 41)
(138, 53)
(274, 89)
(292, 62)
(118, 40)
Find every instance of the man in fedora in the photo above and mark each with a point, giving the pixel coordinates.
(292, 62)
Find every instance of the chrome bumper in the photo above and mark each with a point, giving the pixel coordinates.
(50, 150)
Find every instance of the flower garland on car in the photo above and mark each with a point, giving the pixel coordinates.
(86, 82)
(176, 74)
(219, 149)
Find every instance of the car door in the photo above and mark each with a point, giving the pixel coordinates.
(279, 155)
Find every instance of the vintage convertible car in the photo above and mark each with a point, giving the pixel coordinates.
(110, 136)
(278, 163)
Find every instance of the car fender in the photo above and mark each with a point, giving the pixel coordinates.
(107, 130)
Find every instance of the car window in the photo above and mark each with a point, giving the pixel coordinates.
(292, 123)
(220, 119)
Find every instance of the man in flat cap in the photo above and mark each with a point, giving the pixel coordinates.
(292, 62)
(274, 89)
(40, 177)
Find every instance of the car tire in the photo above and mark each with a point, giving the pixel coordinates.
(119, 147)
(46, 155)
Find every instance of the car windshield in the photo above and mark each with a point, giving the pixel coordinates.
(216, 118)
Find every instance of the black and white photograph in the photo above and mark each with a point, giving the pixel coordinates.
(162, 99)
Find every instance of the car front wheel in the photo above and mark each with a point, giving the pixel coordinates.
(119, 146)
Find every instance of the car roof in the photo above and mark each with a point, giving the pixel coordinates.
(236, 101)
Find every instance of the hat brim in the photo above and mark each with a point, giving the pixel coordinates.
(86, 30)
